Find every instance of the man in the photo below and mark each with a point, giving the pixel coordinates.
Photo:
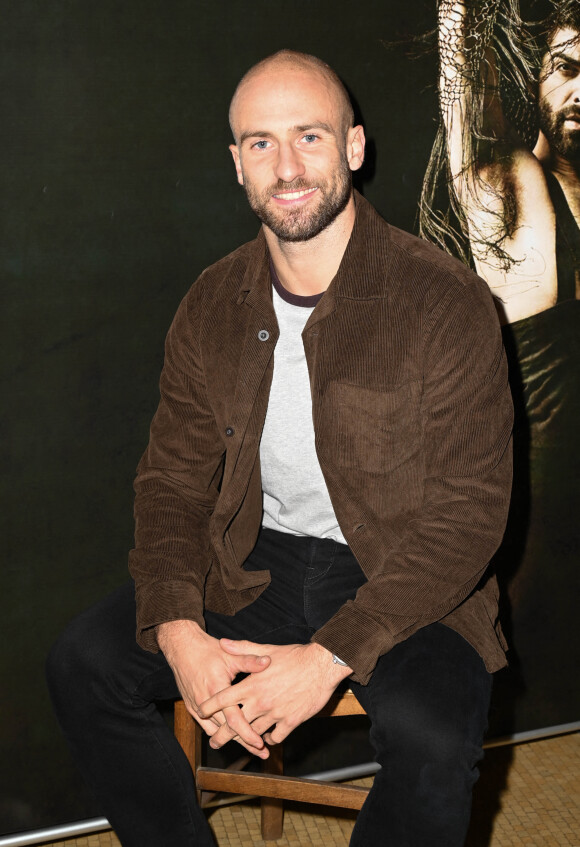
(518, 207)
(327, 478)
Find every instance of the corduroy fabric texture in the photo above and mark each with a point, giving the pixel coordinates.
(412, 415)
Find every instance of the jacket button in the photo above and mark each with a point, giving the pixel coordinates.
(230, 431)
(263, 335)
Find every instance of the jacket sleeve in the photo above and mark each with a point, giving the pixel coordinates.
(441, 556)
(176, 487)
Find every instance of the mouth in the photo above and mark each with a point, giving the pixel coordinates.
(572, 119)
(291, 196)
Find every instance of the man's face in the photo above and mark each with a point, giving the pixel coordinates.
(293, 155)
(560, 94)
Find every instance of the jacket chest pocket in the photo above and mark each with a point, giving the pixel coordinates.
(374, 431)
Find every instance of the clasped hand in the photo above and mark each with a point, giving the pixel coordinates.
(295, 684)
(284, 686)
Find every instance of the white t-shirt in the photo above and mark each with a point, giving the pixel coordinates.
(296, 498)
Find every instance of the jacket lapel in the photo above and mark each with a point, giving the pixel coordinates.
(256, 365)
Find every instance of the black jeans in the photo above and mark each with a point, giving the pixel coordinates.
(427, 701)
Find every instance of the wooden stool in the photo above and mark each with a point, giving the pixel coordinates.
(271, 784)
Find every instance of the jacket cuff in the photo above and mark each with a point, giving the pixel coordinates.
(160, 602)
(355, 638)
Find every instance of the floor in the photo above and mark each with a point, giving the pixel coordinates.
(527, 795)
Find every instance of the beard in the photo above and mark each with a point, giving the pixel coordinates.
(566, 142)
(302, 224)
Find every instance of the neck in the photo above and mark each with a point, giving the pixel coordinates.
(553, 161)
(567, 173)
(308, 267)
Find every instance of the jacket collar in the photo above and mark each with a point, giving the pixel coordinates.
(361, 273)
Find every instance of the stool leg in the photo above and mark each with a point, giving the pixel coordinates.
(198, 736)
(188, 733)
(272, 809)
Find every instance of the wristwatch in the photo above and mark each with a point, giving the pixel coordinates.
(338, 661)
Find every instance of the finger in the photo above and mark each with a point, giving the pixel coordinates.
(239, 729)
(262, 753)
(219, 719)
(209, 727)
(277, 734)
(216, 720)
(217, 741)
(221, 737)
(225, 734)
(240, 726)
(263, 725)
(240, 648)
(222, 700)
(249, 663)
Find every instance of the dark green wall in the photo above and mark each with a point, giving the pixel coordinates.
(117, 189)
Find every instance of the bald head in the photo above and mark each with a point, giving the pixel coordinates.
(289, 61)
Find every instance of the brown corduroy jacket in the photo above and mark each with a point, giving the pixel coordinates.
(412, 415)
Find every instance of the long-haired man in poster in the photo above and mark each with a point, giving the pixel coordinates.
(507, 159)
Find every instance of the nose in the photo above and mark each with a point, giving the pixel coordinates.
(289, 164)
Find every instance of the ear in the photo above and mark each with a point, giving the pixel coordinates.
(355, 147)
(236, 156)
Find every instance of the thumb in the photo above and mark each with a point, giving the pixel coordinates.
(246, 655)
(249, 664)
(243, 648)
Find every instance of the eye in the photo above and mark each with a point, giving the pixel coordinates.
(310, 138)
(261, 145)
(564, 66)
